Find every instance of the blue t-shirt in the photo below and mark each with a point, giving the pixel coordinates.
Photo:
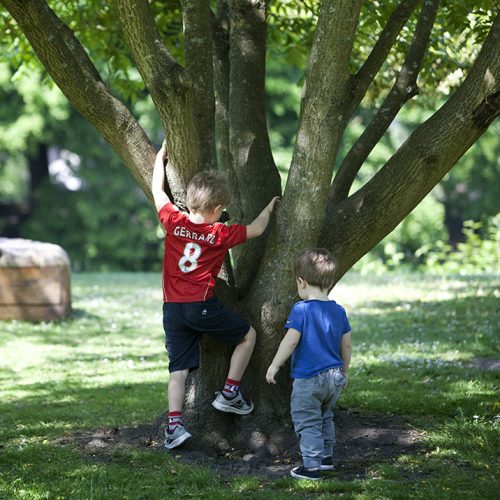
(321, 324)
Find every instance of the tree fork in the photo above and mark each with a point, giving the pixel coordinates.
(171, 90)
(419, 164)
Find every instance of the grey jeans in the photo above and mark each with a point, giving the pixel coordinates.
(312, 405)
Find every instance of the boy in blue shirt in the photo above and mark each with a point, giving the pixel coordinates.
(319, 341)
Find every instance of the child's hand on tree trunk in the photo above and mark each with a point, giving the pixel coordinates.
(271, 374)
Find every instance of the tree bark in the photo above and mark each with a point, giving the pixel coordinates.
(385, 41)
(171, 90)
(199, 71)
(221, 90)
(300, 216)
(257, 181)
(301, 213)
(256, 173)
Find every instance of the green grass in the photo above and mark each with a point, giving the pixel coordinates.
(416, 340)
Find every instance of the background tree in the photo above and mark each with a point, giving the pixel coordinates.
(208, 88)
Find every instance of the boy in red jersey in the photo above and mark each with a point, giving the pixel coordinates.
(195, 247)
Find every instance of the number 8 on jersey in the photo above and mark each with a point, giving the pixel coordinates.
(189, 261)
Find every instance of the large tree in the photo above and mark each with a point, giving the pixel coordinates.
(208, 86)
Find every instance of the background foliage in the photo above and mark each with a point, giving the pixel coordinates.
(94, 209)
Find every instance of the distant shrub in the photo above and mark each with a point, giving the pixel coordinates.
(479, 253)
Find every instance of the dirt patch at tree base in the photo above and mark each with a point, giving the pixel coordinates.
(363, 440)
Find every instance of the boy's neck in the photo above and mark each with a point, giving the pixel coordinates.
(197, 218)
(315, 293)
(201, 218)
(208, 217)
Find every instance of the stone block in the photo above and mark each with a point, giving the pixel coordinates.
(35, 281)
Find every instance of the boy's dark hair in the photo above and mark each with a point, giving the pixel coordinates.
(316, 267)
(206, 191)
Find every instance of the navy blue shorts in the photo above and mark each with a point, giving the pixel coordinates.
(185, 323)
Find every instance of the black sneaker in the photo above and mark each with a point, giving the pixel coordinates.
(303, 473)
(327, 463)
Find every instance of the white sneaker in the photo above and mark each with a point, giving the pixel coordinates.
(176, 438)
(238, 404)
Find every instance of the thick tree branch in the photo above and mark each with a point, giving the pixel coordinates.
(221, 88)
(321, 120)
(159, 70)
(404, 88)
(257, 175)
(199, 70)
(365, 218)
(170, 90)
(320, 129)
(71, 69)
(378, 55)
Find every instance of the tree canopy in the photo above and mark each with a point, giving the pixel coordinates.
(460, 30)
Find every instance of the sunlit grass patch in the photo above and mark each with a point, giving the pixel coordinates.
(472, 440)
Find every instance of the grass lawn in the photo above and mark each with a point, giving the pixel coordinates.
(416, 340)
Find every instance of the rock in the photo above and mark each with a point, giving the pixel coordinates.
(34, 281)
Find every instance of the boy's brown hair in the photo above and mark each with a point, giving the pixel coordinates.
(206, 191)
(316, 267)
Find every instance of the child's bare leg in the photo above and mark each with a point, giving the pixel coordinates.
(241, 355)
(175, 433)
(176, 390)
(230, 399)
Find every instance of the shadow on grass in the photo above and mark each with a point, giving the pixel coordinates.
(101, 421)
(78, 314)
(56, 408)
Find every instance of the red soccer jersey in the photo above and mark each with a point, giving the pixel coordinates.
(194, 254)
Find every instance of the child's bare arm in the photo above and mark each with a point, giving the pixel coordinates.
(158, 181)
(285, 349)
(258, 226)
(345, 351)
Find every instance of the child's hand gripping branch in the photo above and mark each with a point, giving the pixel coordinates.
(258, 226)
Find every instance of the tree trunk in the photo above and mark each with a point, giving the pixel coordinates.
(222, 89)
(256, 174)
(38, 164)
(298, 224)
